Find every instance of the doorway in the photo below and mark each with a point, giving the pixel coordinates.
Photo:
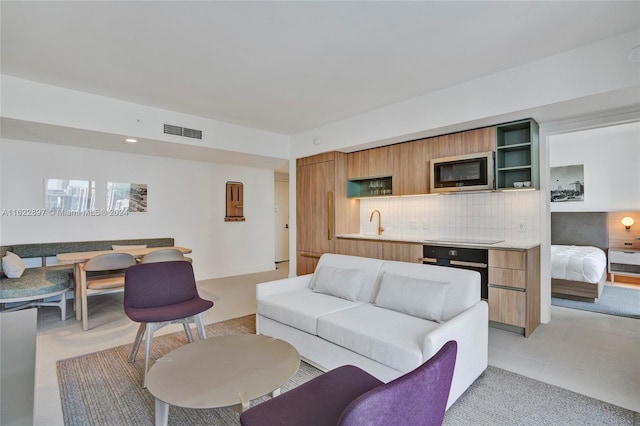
(281, 217)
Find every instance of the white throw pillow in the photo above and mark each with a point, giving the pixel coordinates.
(12, 265)
(131, 247)
(416, 297)
(343, 283)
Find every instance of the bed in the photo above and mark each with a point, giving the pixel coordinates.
(579, 241)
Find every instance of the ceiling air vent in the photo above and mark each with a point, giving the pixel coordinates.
(182, 131)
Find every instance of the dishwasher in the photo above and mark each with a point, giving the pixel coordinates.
(458, 257)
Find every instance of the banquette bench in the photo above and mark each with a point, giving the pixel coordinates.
(50, 281)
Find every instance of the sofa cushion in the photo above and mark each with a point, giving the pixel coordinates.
(301, 308)
(420, 298)
(343, 283)
(370, 267)
(388, 337)
(12, 265)
(464, 287)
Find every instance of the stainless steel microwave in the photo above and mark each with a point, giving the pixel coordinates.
(471, 172)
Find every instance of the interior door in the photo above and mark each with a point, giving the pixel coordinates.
(281, 220)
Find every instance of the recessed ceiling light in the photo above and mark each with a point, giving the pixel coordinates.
(131, 140)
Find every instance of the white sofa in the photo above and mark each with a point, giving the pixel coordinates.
(334, 316)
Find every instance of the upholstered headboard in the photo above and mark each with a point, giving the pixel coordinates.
(580, 229)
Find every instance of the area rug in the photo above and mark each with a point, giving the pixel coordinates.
(619, 301)
(104, 389)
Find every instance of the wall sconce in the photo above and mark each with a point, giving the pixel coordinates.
(627, 222)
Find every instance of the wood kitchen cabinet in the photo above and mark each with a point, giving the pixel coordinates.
(364, 248)
(514, 288)
(461, 143)
(387, 250)
(403, 252)
(322, 208)
(411, 172)
(374, 162)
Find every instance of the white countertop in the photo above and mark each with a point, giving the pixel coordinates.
(443, 241)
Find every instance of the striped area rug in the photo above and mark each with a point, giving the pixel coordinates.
(102, 388)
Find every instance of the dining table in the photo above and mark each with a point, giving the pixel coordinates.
(80, 258)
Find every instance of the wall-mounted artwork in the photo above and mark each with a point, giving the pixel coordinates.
(130, 197)
(69, 195)
(567, 183)
(234, 207)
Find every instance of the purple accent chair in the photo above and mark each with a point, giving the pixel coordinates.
(158, 294)
(348, 396)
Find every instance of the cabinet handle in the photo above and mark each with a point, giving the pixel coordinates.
(428, 260)
(471, 264)
(311, 256)
(329, 215)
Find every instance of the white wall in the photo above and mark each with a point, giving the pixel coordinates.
(186, 201)
(611, 159)
(592, 70)
(70, 108)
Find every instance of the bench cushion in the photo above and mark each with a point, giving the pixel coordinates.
(35, 283)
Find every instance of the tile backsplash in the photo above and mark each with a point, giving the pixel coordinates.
(505, 215)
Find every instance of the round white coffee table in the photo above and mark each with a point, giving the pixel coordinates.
(221, 372)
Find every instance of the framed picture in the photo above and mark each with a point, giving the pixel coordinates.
(129, 197)
(567, 183)
(69, 195)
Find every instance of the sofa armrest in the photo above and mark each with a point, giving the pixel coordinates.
(282, 286)
(471, 330)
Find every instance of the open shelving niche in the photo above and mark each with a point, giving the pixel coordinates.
(380, 186)
(517, 154)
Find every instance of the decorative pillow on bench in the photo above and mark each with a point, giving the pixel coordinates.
(342, 283)
(12, 265)
(416, 297)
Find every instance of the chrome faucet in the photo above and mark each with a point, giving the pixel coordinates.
(380, 228)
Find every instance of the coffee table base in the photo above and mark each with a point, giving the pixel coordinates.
(162, 408)
(219, 372)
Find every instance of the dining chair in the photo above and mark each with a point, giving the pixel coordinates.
(349, 396)
(107, 277)
(158, 294)
(164, 255)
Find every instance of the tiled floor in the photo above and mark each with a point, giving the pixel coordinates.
(593, 354)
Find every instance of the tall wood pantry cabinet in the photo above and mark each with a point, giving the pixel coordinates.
(322, 207)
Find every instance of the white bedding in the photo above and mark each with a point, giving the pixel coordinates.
(577, 263)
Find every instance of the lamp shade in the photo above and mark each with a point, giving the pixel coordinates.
(627, 222)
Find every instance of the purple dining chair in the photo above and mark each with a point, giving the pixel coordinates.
(348, 396)
(158, 294)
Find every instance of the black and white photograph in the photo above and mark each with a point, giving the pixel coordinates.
(567, 183)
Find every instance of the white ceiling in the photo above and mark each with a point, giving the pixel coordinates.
(288, 66)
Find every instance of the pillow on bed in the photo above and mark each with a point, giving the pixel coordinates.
(342, 283)
(416, 297)
(12, 265)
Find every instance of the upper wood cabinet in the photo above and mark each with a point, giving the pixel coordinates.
(371, 162)
(410, 165)
(469, 142)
